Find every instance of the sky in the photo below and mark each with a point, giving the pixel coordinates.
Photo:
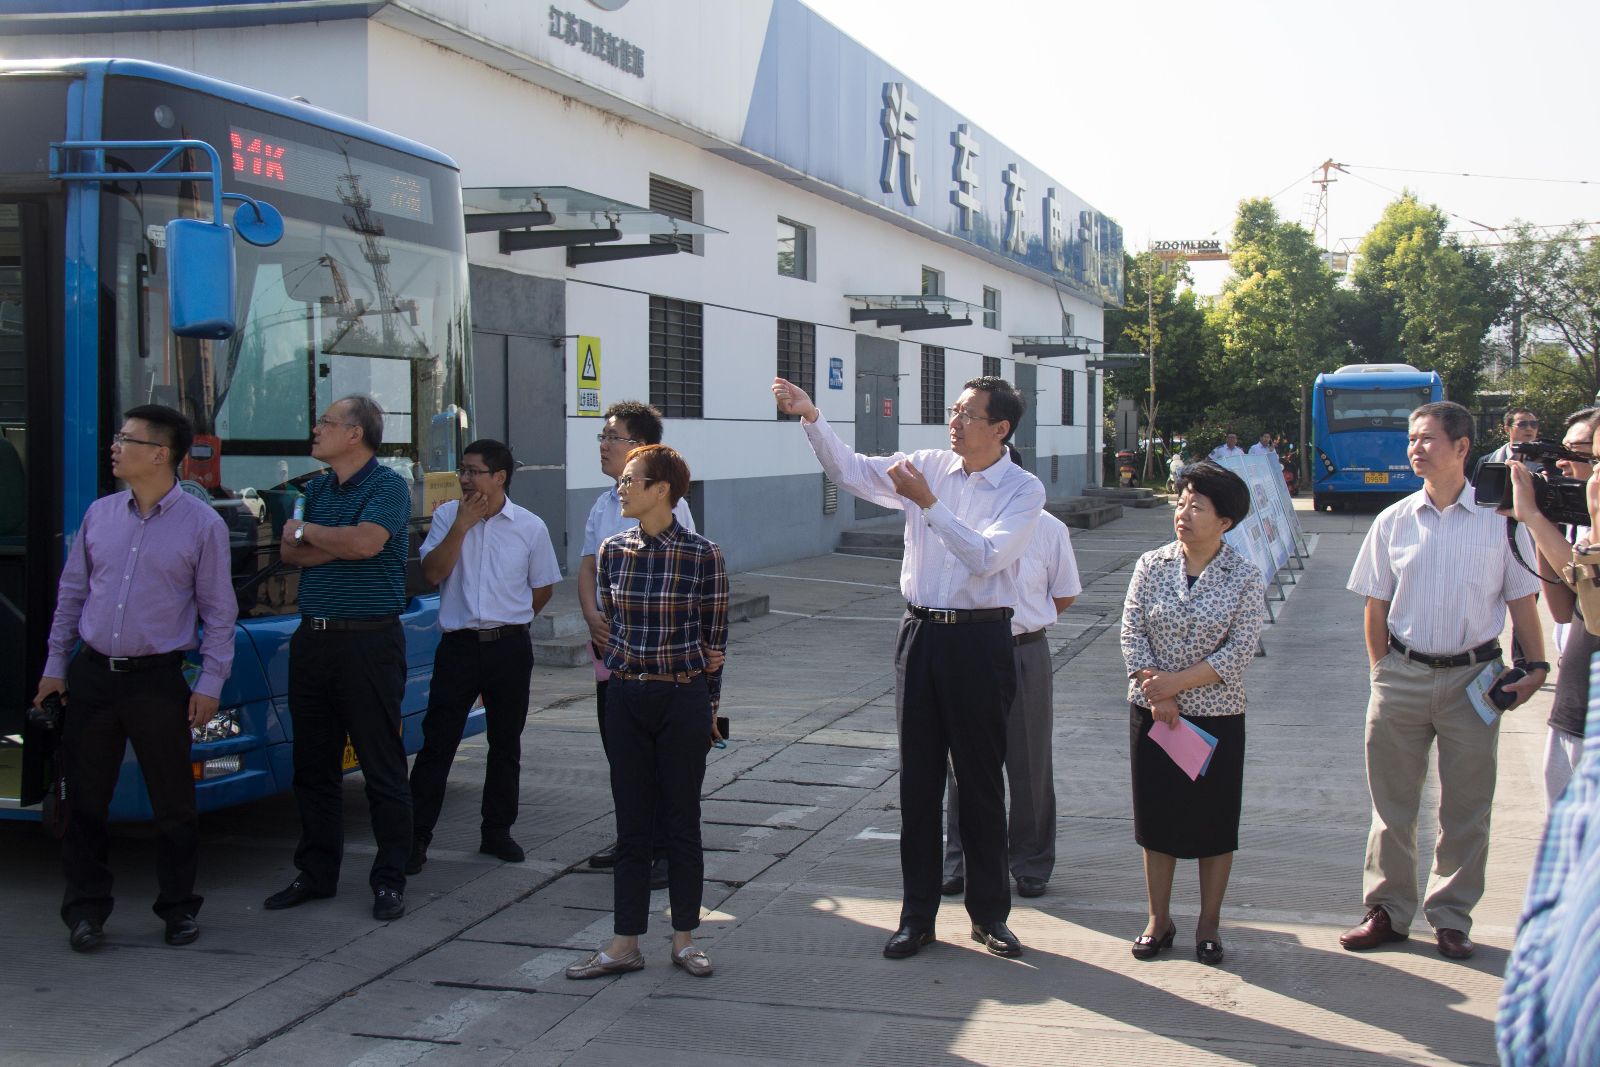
(1165, 115)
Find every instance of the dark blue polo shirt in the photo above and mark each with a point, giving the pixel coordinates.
(359, 588)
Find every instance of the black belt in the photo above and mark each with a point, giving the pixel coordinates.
(958, 615)
(128, 664)
(493, 633)
(1028, 638)
(380, 622)
(1482, 654)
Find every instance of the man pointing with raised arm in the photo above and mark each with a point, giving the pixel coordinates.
(970, 512)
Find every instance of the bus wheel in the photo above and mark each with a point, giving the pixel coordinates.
(1318, 502)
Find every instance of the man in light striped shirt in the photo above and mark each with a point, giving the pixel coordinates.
(1438, 576)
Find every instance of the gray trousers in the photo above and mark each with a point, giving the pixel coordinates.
(1030, 774)
(1412, 708)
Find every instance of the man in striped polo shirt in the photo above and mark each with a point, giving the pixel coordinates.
(347, 661)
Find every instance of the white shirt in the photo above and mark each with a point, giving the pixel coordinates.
(1259, 449)
(1447, 575)
(962, 552)
(1048, 569)
(606, 518)
(1224, 450)
(503, 560)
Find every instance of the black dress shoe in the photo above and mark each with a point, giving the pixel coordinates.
(1031, 887)
(606, 857)
(418, 857)
(86, 936)
(997, 938)
(658, 874)
(1208, 951)
(501, 847)
(298, 892)
(907, 941)
(388, 904)
(953, 887)
(1148, 947)
(182, 930)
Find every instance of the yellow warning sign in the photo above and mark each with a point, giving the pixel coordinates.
(588, 375)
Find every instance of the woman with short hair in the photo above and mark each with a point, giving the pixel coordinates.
(1190, 626)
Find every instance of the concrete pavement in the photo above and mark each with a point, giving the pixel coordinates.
(803, 886)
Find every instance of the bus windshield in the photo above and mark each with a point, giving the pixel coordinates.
(340, 305)
(1373, 409)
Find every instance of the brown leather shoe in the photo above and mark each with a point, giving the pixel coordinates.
(1454, 945)
(598, 967)
(695, 961)
(1373, 930)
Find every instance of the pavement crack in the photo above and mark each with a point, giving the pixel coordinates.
(404, 1037)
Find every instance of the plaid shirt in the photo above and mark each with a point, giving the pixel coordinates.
(667, 601)
(1550, 1010)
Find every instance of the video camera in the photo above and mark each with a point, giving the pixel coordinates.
(1559, 498)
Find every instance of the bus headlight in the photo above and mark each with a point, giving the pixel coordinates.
(217, 768)
(223, 725)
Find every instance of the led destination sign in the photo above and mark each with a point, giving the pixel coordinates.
(279, 163)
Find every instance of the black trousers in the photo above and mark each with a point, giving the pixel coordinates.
(954, 688)
(104, 712)
(349, 682)
(464, 667)
(657, 737)
(658, 838)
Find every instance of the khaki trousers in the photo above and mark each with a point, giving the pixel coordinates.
(1412, 705)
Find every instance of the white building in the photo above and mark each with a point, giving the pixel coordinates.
(818, 175)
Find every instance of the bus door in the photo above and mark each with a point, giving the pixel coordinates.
(29, 505)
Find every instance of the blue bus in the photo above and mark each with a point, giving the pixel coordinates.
(1359, 423)
(364, 291)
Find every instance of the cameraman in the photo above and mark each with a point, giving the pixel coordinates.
(1564, 745)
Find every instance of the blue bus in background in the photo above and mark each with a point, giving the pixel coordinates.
(361, 288)
(1359, 421)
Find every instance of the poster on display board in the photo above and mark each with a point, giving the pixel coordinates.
(1266, 536)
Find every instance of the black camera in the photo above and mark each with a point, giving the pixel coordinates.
(1559, 498)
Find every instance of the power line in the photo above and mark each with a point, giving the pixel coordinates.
(1468, 174)
(1447, 211)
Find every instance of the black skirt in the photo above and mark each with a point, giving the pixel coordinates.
(1173, 815)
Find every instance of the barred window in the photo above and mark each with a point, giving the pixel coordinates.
(675, 199)
(991, 366)
(933, 411)
(797, 356)
(677, 359)
(1068, 399)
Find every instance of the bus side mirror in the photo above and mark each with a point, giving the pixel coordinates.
(200, 279)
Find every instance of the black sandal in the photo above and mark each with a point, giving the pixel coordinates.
(1208, 952)
(1146, 947)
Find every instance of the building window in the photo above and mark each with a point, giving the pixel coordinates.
(677, 364)
(794, 250)
(1069, 325)
(932, 282)
(1068, 399)
(991, 308)
(681, 202)
(991, 366)
(933, 411)
(797, 356)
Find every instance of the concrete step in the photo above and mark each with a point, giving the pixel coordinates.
(558, 624)
(1119, 493)
(873, 538)
(1085, 513)
(898, 552)
(569, 649)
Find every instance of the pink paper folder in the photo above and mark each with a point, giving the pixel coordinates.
(1189, 746)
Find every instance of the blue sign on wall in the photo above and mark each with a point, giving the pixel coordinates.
(835, 373)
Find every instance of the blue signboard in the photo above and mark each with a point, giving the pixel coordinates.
(835, 373)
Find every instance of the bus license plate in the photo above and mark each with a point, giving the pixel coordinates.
(349, 762)
(1377, 477)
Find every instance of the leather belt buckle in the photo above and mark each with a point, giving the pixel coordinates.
(1439, 663)
(946, 616)
(318, 623)
(118, 665)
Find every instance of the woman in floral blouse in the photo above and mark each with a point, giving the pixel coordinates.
(1190, 627)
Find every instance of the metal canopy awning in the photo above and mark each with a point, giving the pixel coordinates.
(559, 216)
(1117, 360)
(1045, 346)
(911, 312)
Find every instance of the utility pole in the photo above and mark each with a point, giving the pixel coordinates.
(1150, 316)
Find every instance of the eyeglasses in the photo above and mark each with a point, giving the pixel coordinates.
(330, 423)
(613, 439)
(1526, 424)
(967, 417)
(628, 481)
(473, 472)
(124, 439)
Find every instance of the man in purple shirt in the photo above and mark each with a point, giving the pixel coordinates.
(146, 565)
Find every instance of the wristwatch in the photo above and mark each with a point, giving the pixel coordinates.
(1532, 665)
(300, 534)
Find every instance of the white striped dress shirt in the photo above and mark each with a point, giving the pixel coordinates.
(1048, 569)
(1447, 575)
(963, 552)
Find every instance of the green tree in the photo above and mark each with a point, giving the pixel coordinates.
(1554, 288)
(1274, 321)
(1551, 382)
(1422, 298)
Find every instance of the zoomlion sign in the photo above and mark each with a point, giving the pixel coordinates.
(1206, 249)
